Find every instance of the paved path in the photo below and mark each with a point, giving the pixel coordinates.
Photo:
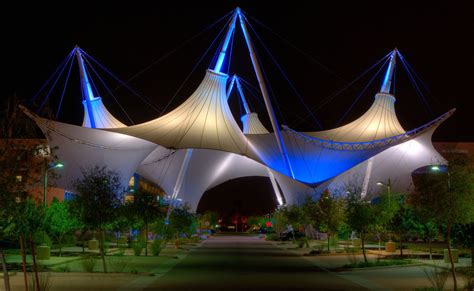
(247, 263)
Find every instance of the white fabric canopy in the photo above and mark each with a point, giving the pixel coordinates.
(80, 147)
(102, 117)
(203, 121)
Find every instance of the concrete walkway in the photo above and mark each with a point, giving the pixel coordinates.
(230, 262)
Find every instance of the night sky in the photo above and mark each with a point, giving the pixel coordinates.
(335, 43)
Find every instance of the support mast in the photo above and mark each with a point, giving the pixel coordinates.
(87, 93)
(266, 97)
(387, 81)
(230, 31)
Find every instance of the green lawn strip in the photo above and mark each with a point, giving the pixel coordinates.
(379, 263)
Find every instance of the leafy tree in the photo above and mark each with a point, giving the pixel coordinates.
(145, 208)
(360, 216)
(464, 235)
(181, 221)
(405, 223)
(329, 213)
(59, 221)
(97, 200)
(447, 197)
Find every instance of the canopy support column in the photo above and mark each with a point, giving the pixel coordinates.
(87, 93)
(368, 174)
(179, 181)
(230, 31)
(387, 81)
(266, 97)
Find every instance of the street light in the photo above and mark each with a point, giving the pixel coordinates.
(47, 167)
(389, 193)
(389, 189)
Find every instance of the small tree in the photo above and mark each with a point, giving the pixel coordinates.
(97, 200)
(329, 213)
(447, 197)
(360, 216)
(59, 221)
(146, 209)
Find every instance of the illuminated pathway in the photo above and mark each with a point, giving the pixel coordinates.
(230, 262)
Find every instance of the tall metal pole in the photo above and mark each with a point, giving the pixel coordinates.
(179, 181)
(387, 81)
(266, 96)
(242, 97)
(230, 31)
(88, 95)
(45, 189)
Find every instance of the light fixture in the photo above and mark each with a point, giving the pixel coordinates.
(435, 168)
(380, 183)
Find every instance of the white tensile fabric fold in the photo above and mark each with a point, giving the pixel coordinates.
(379, 122)
(102, 117)
(203, 121)
(80, 147)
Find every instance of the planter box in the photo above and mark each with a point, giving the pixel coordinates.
(43, 252)
(454, 253)
(93, 245)
(356, 243)
(390, 247)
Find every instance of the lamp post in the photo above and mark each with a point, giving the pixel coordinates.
(389, 194)
(43, 251)
(389, 189)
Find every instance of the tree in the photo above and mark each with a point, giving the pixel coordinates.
(97, 200)
(464, 235)
(447, 197)
(181, 221)
(145, 208)
(360, 216)
(329, 214)
(59, 221)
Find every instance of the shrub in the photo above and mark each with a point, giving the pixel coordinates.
(437, 276)
(272, 237)
(63, 269)
(38, 239)
(118, 264)
(88, 263)
(157, 246)
(44, 279)
(138, 247)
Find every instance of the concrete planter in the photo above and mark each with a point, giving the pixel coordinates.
(93, 245)
(390, 247)
(43, 252)
(122, 242)
(357, 243)
(454, 253)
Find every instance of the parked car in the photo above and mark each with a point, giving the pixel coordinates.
(289, 235)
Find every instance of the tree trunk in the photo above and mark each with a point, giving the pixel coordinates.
(35, 266)
(83, 236)
(101, 248)
(60, 238)
(472, 256)
(146, 237)
(448, 240)
(23, 261)
(329, 238)
(431, 252)
(362, 240)
(401, 245)
(6, 278)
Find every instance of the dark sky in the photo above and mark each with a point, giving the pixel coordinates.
(435, 38)
(247, 196)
